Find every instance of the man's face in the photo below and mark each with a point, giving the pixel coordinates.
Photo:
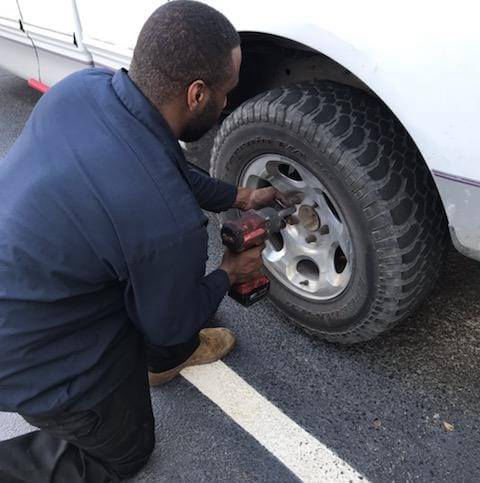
(203, 120)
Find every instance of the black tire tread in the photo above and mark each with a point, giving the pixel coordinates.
(387, 175)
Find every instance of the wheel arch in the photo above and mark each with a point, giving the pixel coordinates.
(271, 60)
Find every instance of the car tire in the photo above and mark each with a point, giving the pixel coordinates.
(375, 182)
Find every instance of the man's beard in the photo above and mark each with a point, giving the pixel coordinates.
(204, 121)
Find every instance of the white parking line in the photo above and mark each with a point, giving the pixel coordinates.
(299, 451)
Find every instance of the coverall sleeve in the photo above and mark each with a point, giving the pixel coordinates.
(168, 297)
(212, 194)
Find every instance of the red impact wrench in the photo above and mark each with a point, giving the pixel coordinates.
(251, 230)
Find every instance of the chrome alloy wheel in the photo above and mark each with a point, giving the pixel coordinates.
(313, 254)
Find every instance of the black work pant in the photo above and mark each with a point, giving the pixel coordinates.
(110, 442)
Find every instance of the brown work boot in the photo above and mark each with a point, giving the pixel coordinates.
(214, 344)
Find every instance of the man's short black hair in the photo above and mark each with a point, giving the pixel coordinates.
(182, 41)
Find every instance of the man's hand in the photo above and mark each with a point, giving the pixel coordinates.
(253, 199)
(242, 267)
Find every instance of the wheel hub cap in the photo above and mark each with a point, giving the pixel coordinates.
(309, 218)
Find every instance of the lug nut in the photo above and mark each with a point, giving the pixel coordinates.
(324, 230)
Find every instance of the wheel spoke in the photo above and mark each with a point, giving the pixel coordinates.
(336, 229)
(292, 244)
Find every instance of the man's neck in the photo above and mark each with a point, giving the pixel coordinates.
(170, 111)
(171, 115)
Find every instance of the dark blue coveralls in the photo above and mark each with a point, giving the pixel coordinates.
(103, 246)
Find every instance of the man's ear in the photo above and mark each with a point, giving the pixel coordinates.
(196, 95)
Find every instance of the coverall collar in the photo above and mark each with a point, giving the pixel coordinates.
(143, 110)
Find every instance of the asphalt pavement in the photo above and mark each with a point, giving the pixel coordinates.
(404, 407)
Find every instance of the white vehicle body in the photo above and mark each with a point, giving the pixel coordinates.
(419, 58)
